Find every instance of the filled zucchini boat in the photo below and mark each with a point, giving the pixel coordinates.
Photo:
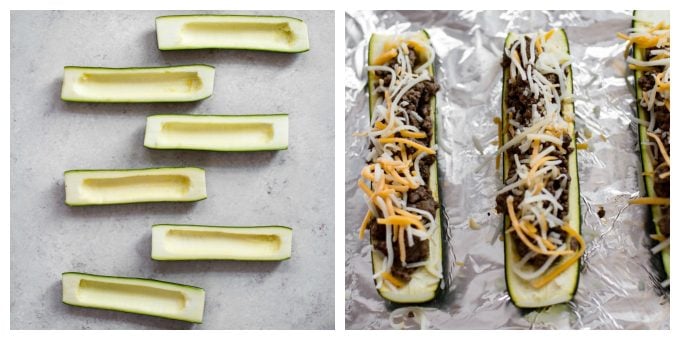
(243, 32)
(651, 52)
(199, 242)
(184, 83)
(400, 181)
(217, 132)
(134, 295)
(96, 187)
(540, 197)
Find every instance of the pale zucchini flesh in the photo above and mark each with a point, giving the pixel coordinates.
(423, 286)
(198, 242)
(563, 287)
(138, 85)
(244, 32)
(134, 295)
(647, 162)
(217, 132)
(98, 187)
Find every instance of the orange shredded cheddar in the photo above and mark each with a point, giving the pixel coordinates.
(393, 280)
(407, 142)
(553, 273)
(408, 214)
(365, 188)
(367, 219)
(385, 57)
(402, 220)
(549, 34)
(411, 134)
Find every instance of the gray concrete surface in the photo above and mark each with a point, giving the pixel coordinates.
(292, 187)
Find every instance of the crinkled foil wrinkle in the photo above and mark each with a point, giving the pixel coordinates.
(619, 283)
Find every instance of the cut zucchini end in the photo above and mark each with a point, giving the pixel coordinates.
(560, 290)
(177, 242)
(104, 187)
(184, 83)
(419, 298)
(134, 295)
(422, 288)
(217, 132)
(232, 32)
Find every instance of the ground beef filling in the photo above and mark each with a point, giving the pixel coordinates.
(519, 101)
(662, 119)
(416, 102)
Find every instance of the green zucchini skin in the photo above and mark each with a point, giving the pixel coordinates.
(128, 203)
(219, 149)
(219, 116)
(284, 51)
(434, 173)
(136, 169)
(136, 67)
(132, 279)
(645, 158)
(173, 67)
(222, 227)
(574, 182)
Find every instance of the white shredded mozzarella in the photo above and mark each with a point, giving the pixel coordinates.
(661, 246)
(658, 62)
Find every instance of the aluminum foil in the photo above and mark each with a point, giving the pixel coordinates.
(619, 285)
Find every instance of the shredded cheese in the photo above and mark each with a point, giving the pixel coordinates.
(367, 219)
(393, 280)
(385, 57)
(651, 201)
(407, 142)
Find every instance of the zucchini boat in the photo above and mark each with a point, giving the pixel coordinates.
(217, 133)
(241, 32)
(134, 295)
(540, 198)
(186, 83)
(96, 187)
(200, 242)
(403, 218)
(650, 61)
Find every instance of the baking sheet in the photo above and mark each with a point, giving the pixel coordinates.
(619, 283)
(49, 136)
